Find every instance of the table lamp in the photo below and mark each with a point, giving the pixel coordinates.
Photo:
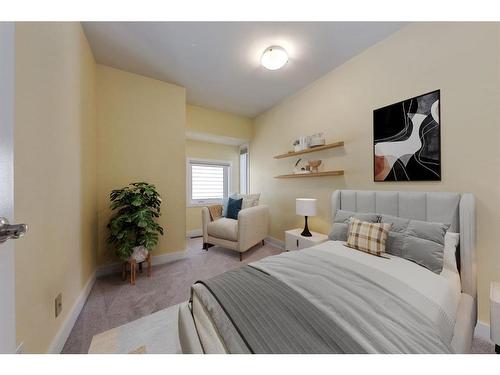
(305, 207)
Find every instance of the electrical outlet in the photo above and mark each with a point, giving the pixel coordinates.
(58, 304)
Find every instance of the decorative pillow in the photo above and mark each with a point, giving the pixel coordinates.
(233, 207)
(424, 244)
(224, 206)
(368, 237)
(395, 238)
(249, 200)
(451, 241)
(215, 211)
(341, 223)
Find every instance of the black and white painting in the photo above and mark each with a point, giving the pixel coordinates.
(407, 140)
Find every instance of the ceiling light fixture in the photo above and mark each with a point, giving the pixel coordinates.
(274, 58)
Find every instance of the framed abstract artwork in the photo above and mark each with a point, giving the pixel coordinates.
(407, 140)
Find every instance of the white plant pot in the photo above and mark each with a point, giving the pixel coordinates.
(139, 254)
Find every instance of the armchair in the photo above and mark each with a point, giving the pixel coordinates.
(240, 235)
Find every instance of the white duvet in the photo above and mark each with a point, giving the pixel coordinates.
(346, 284)
(443, 289)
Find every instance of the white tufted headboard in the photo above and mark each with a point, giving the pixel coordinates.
(450, 208)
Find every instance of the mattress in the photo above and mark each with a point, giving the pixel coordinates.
(444, 289)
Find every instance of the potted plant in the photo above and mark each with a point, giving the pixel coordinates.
(133, 229)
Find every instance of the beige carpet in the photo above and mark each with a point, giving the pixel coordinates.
(113, 303)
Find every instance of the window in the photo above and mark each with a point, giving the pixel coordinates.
(208, 181)
(244, 170)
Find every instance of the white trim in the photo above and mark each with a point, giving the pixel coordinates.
(274, 242)
(112, 268)
(247, 168)
(482, 331)
(62, 335)
(213, 138)
(7, 126)
(194, 233)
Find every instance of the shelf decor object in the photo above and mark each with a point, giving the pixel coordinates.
(312, 174)
(305, 207)
(311, 149)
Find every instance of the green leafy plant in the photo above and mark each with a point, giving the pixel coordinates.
(134, 224)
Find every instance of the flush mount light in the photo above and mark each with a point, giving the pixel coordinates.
(274, 58)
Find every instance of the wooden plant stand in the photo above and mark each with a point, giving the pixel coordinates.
(132, 265)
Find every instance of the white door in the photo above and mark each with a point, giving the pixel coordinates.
(7, 300)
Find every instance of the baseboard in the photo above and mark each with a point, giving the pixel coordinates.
(62, 335)
(274, 242)
(482, 331)
(113, 268)
(194, 233)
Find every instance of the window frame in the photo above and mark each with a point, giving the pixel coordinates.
(245, 146)
(200, 161)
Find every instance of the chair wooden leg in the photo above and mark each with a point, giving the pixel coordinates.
(263, 243)
(140, 267)
(150, 268)
(205, 246)
(241, 257)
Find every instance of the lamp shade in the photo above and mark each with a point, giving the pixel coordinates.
(305, 206)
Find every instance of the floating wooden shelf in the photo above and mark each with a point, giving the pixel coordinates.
(312, 174)
(312, 149)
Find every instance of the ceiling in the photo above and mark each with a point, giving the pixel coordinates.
(219, 62)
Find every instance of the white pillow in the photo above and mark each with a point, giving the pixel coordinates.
(451, 241)
(249, 200)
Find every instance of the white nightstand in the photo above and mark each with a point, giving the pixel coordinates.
(294, 241)
(495, 315)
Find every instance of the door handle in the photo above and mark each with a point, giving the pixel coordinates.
(8, 231)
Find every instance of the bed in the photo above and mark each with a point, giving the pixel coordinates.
(332, 299)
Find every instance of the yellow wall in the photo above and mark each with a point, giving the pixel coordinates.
(205, 120)
(55, 175)
(461, 59)
(141, 137)
(214, 151)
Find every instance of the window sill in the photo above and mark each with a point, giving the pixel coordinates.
(204, 204)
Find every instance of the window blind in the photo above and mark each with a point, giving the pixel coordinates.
(209, 181)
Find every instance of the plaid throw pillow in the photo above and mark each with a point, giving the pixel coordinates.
(368, 237)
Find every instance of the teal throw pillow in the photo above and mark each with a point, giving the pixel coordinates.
(233, 207)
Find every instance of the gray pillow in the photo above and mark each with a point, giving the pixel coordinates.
(421, 242)
(341, 223)
(225, 202)
(395, 239)
(424, 244)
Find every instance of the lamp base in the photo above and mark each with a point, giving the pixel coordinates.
(306, 232)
